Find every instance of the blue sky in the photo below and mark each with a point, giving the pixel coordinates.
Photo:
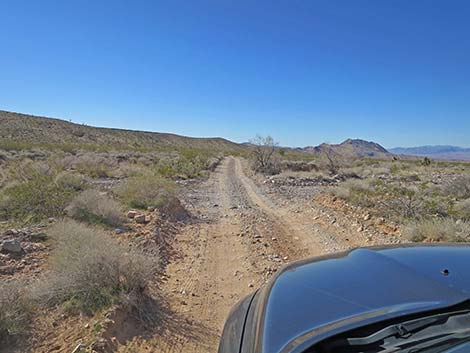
(396, 71)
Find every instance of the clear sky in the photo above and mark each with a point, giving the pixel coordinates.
(393, 71)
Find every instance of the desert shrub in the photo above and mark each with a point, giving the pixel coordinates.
(264, 156)
(91, 271)
(357, 191)
(462, 209)
(443, 229)
(93, 207)
(395, 199)
(70, 180)
(15, 310)
(459, 188)
(299, 166)
(183, 167)
(145, 191)
(35, 199)
(95, 165)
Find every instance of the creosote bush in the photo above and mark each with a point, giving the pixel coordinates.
(35, 199)
(444, 229)
(93, 207)
(91, 271)
(145, 191)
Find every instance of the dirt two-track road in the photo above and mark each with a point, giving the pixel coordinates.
(241, 237)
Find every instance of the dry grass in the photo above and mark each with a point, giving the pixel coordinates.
(446, 230)
(69, 180)
(94, 207)
(463, 209)
(91, 271)
(459, 188)
(15, 311)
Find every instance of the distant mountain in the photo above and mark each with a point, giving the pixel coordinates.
(351, 148)
(437, 152)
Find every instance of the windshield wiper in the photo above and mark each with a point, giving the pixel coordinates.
(413, 335)
(431, 342)
(405, 329)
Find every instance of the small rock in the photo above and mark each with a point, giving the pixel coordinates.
(12, 246)
(360, 229)
(51, 220)
(367, 217)
(285, 258)
(258, 236)
(87, 325)
(150, 209)
(132, 214)
(11, 232)
(140, 218)
(250, 285)
(119, 230)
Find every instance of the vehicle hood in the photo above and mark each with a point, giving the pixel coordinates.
(311, 300)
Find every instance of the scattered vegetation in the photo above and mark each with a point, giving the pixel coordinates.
(459, 188)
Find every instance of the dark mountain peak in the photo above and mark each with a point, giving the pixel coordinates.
(364, 144)
(355, 148)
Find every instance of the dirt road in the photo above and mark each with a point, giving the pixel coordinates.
(241, 236)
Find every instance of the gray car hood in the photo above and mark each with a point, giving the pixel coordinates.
(311, 300)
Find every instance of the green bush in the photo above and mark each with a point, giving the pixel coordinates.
(445, 229)
(93, 207)
(145, 191)
(91, 271)
(356, 191)
(35, 199)
(15, 310)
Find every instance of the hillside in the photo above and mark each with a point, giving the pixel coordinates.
(34, 130)
(437, 152)
(351, 148)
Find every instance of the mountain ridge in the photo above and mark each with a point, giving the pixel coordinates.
(26, 128)
(435, 151)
